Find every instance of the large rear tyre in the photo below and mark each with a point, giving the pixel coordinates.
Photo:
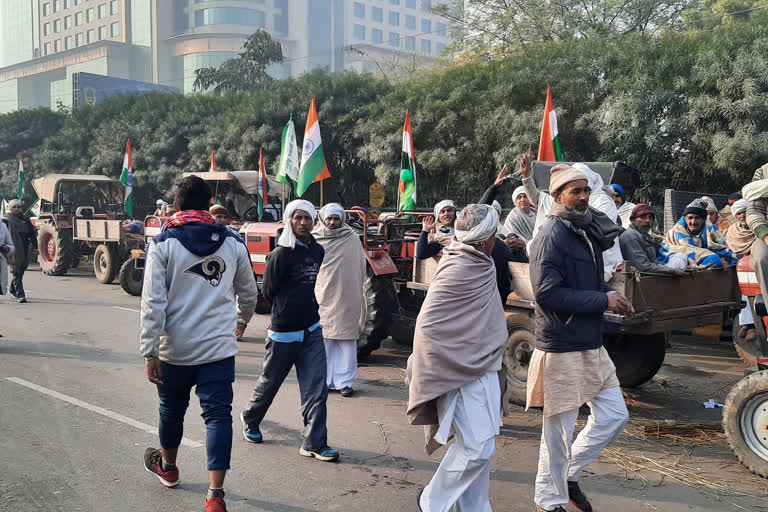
(747, 350)
(745, 422)
(379, 302)
(637, 357)
(131, 278)
(55, 249)
(517, 354)
(105, 263)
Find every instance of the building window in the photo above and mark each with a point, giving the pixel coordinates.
(46, 29)
(426, 26)
(90, 14)
(67, 5)
(102, 32)
(377, 14)
(56, 5)
(394, 2)
(57, 46)
(394, 39)
(410, 43)
(410, 22)
(359, 32)
(411, 4)
(78, 19)
(114, 7)
(46, 9)
(47, 48)
(426, 5)
(68, 42)
(394, 18)
(102, 11)
(229, 16)
(376, 35)
(78, 40)
(426, 46)
(57, 26)
(91, 36)
(441, 29)
(67, 22)
(114, 29)
(439, 47)
(77, 2)
(359, 10)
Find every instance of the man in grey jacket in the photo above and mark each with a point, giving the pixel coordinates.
(639, 249)
(194, 269)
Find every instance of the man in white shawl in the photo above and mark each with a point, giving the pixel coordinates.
(339, 292)
(453, 375)
(6, 254)
(522, 218)
(598, 200)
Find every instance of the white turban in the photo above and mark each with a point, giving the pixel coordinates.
(445, 203)
(739, 206)
(519, 190)
(483, 230)
(14, 202)
(287, 237)
(497, 207)
(332, 209)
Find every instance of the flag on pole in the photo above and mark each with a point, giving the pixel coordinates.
(35, 208)
(406, 198)
(22, 182)
(263, 185)
(3, 208)
(126, 178)
(289, 156)
(313, 167)
(549, 143)
(213, 168)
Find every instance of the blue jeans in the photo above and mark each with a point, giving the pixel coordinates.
(309, 358)
(17, 287)
(213, 383)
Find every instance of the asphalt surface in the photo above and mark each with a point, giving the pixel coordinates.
(76, 413)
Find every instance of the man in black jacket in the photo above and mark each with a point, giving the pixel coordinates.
(295, 336)
(570, 366)
(24, 239)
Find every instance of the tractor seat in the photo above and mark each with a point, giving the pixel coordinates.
(85, 212)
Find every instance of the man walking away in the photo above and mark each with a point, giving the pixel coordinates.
(569, 365)
(295, 336)
(339, 292)
(453, 375)
(194, 269)
(24, 240)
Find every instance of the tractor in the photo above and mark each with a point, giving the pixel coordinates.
(81, 217)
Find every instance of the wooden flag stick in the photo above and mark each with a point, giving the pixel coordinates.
(321, 193)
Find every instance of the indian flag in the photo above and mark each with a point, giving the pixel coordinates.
(406, 198)
(22, 182)
(35, 208)
(263, 186)
(126, 178)
(313, 167)
(3, 208)
(289, 156)
(212, 168)
(549, 143)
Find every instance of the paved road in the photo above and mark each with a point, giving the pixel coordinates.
(76, 413)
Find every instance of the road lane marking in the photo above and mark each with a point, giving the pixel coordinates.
(98, 410)
(127, 309)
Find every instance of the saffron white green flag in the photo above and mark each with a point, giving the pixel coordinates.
(126, 178)
(35, 208)
(313, 167)
(288, 172)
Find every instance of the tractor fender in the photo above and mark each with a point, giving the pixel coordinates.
(381, 263)
(58, 221)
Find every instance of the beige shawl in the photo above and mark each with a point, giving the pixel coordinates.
(460, 334)
(339, 287)
(739, 239)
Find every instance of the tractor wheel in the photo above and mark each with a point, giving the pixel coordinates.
(747, 350)
(379, 302)
(55, 249)
(745, 422)
(105, 263)
(131, 278)
(637, 357)
(517, 354)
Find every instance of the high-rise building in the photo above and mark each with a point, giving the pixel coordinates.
(46, 43)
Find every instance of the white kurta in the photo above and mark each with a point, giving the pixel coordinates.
(341, 356)
(5, 241)
(472, 415)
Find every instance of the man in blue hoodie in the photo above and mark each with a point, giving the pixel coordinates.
(194, 269)
(295, 336)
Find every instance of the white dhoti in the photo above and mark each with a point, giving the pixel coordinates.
(472, 415)
(341, 356)
(745, 316)
(559, 461)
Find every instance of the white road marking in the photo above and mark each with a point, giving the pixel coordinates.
(127, 309)
(98, 410)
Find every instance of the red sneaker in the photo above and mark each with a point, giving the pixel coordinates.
(215, 505)
(153, 463)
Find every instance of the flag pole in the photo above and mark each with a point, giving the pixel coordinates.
(321, 193)
(283, 208)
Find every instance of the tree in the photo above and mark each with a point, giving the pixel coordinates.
(247, 71)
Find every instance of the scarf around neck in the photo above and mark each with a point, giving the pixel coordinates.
(188, 217)
(595, 223)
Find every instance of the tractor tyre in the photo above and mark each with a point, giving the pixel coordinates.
(379, 302)
(131, 278)
(745, 422)
(55, 248)
(517, 354)
(747, 350)
(105, 263)
(637, 357)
